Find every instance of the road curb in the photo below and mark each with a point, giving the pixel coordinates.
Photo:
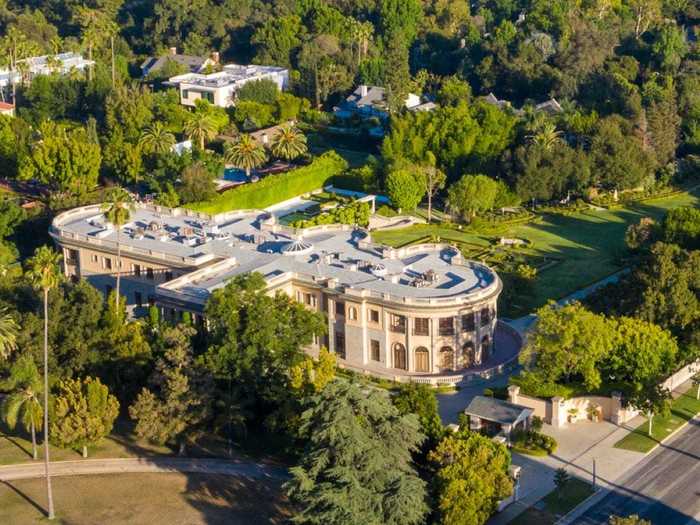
(582, 507)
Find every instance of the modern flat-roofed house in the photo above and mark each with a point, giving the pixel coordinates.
(62, 64)
(192, 63)
(220, 88)
(401, 313)
(370, 101)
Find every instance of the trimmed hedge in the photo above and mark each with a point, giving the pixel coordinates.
(277, 188)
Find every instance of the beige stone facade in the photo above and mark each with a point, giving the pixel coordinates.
(386, 324)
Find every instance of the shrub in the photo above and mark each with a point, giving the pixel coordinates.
(533, 443)
(355, 213)
(277, 188)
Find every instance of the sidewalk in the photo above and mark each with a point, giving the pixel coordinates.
(579, 445)
(156, 464)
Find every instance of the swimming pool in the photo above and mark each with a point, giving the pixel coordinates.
(235, 175)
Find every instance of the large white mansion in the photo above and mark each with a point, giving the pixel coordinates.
(411, 311)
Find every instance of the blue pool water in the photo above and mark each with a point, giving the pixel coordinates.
(235, 175)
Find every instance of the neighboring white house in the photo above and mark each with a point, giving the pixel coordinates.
(181, 147)
(62, 63)
(220, 88)
(370, 101)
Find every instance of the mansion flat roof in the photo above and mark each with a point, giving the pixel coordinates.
(253, 241)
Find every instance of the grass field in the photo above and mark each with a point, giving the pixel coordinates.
(683, 409)
(555, 504)
(146, 499)
(590, 244)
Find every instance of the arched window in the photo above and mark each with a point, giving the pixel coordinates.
(447, 358)
(468, 355)
(422, 359)
(485, 348)
(400, 356)
(352, 313)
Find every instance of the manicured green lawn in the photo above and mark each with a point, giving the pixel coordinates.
(555, 504)
(589, 245)
(683, 409)
(154, 499)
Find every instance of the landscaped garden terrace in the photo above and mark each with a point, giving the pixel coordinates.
(569, 250)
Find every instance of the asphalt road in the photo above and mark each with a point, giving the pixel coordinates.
(664, 488)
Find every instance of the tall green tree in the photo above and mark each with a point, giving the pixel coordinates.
(434, 181)
(471, 477)
(23, 404)
(200, 128)
(472, 194)
(567, 344)
(44, 273)
(364, 473)
(65, 159)
(289, 143)
(405, 188)
(245, 153)
(414, 398)
(8, 333)
(84, 413)
(156, 139)
(117, 209)
(178, 402)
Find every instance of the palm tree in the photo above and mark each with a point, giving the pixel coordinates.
(546, 137)
(44, 274)
(200, 127)
(24, 404)
(117, 210)
(8, 334)
(245, 153)
(156, 139)
(289, 143)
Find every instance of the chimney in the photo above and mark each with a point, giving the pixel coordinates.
(215, 56)
(173, 51)
(363, 90)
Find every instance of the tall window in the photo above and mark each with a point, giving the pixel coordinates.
(421, 326)
(340, 308)
(352, 313)
(400, 356)
(398, 324)
(447, 358)
(374, 350)
(422, 359)
(72, 256)
(107, 263)
(468, 324)
(149, 273)
(447, 326)
(137, 270)
(374, 316)
(340, 344)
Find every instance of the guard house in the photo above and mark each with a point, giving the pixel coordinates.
(493, 416)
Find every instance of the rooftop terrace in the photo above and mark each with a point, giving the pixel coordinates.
(253, 240)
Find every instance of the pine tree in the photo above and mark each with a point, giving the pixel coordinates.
(357, 468)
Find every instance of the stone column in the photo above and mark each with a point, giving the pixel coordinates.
(409, 346)
(513, 393)
(558, 419)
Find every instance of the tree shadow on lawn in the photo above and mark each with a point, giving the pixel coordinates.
(232, 500)
(5, 434)
(24, 496)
